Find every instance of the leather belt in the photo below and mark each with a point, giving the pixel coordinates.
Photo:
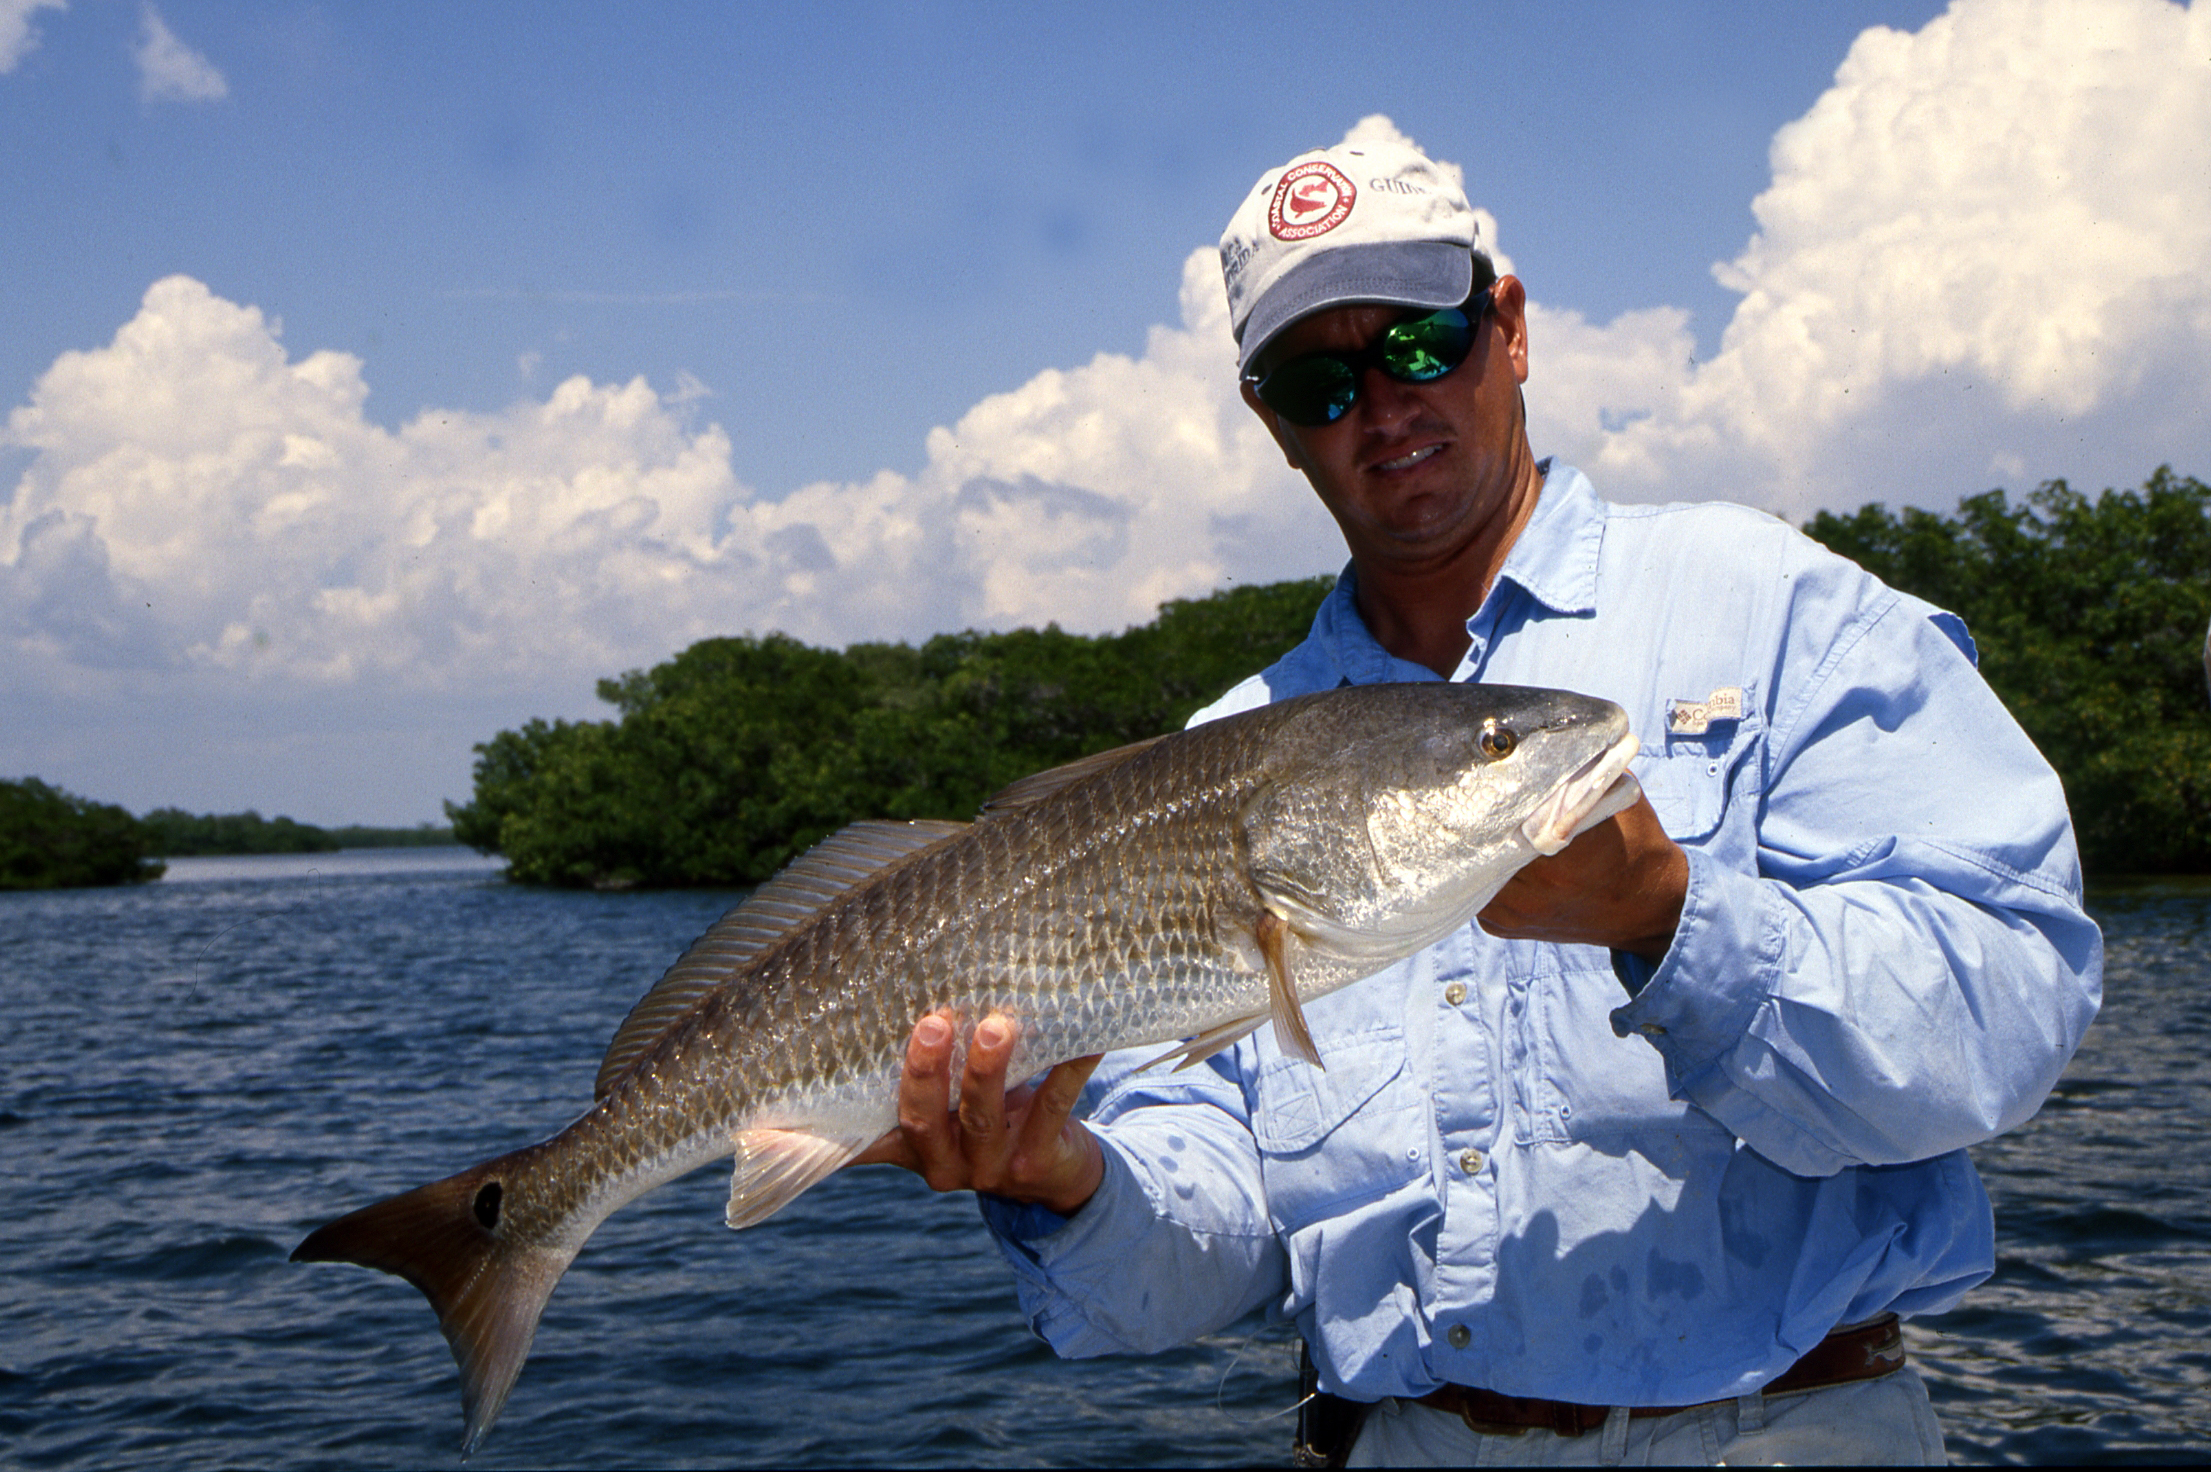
(1861, 1352)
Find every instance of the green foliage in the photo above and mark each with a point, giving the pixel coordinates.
(177, 834)
(422, 835)
(2089, 617)
(51, 839)
(736, 755)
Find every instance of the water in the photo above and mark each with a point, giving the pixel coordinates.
(2093, 1340)
(196, 1073)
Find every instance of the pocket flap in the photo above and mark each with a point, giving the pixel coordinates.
(1687, 791)
(1300, 1105)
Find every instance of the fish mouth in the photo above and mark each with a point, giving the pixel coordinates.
(1587, 796)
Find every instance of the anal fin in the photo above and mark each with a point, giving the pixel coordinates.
(774, 1166)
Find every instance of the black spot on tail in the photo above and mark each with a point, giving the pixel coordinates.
(487, 1205)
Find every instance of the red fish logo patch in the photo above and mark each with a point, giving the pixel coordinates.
(1312, 199)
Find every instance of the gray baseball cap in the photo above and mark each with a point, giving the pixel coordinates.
(1360, 222)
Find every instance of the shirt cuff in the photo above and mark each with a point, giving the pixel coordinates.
(1117, 1211)
(1699, 1001)
(1064, 1264)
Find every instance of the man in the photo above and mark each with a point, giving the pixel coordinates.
(1641, 1166)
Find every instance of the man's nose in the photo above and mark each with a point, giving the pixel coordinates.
(1389, 402)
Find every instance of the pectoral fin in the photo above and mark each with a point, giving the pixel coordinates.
(1290, 1032)
(774, 1166)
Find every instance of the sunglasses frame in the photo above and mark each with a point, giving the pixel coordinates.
(1374, 355)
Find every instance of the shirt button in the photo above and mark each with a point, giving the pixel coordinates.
(1470, 1161)
(1455, 993)
(1460, 1336)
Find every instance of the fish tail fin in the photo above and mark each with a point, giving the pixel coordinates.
(487, 1288)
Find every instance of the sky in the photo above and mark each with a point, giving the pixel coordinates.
(374, 378)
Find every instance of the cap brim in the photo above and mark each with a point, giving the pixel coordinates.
(1418, 273)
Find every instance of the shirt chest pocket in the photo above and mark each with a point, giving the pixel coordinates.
(1336, 1138)
(1689, 779)
(1687, 791)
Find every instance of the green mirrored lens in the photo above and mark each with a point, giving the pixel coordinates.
(1422, 351)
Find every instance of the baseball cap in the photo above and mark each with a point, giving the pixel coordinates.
(1360, 222)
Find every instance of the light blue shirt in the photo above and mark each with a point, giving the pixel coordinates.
(1558, 1171)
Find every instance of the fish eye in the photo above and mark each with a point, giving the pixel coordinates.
(1497, 740)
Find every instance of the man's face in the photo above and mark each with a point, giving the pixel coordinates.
(1415, 473)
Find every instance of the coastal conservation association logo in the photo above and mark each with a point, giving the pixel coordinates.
(1312, 199)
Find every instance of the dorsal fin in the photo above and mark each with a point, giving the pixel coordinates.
(846, 859)
(1037, 786)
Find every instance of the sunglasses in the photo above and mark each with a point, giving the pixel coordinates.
(1320, 388)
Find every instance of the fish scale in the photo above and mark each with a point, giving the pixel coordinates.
(1187, 888)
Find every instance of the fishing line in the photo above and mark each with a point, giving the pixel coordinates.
(283, 914)
(1221, 1390)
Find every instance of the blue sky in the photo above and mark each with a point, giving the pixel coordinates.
(848, 222)
(375, 377)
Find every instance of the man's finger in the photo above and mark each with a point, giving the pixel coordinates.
(925, 1099)
(1621, 884)
(983, 1081)
(892, 1148)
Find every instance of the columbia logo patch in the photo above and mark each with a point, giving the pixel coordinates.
(1695, 717)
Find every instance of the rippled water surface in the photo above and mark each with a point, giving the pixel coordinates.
(2093, 1340)
(195, 1073)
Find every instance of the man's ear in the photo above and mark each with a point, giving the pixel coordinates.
(1509, 302)
(1275, 427)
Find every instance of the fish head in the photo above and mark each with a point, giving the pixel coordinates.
(1390, 814)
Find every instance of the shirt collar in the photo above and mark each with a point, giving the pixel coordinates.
(1358, 658)
(1554, 561)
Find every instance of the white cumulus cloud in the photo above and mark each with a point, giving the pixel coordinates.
(1985, 255)
(18, 37)
(169, 70)
(199, 500)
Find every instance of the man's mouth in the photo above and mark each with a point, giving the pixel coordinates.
(1409, 459)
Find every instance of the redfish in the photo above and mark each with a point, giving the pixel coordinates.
(1184, 890)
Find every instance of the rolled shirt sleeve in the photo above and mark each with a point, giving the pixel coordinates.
(1908, 969)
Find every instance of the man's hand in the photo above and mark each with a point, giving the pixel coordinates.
(1621, 885)
(1020, 1145)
